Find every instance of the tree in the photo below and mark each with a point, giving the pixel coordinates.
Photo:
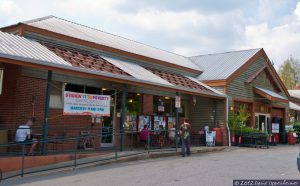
(289, 72)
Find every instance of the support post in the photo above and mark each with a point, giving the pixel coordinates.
(215, 113)
(177, 126)
(122, 123)
(47, 101)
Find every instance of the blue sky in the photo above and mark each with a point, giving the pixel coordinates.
(181, 26)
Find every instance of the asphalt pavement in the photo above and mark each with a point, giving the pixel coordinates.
(207, 169)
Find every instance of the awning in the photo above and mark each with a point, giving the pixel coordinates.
(270, 95)
(294, 106)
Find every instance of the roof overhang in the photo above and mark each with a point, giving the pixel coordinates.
(270, 95)
(294, 106)
(21, 28)
(103, 76)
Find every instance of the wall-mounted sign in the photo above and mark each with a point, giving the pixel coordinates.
(177, 102)
(275, 127)
(86, 104)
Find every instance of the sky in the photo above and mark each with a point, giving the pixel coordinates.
(184, 27)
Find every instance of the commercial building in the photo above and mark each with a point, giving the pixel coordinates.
(43, 58)
(248, 77)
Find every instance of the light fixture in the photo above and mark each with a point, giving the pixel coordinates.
(104, 89)
(231, 108)
(130, 101)
(138, 94)
(167, 97)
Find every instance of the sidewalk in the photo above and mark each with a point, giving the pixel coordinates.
(107, 158)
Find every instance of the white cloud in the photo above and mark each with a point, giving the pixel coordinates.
(187, 31)
(297, 11)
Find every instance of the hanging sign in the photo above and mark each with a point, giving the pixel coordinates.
(177, 102)
(86, 104)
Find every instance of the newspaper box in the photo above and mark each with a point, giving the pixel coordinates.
(210, 138)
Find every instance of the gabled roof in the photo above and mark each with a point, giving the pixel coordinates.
(221, 66)
(74, 30)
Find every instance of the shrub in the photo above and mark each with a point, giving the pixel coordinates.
(296, 128)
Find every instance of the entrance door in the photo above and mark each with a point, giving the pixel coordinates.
(107, 132)
(262, 122)
(108, 123)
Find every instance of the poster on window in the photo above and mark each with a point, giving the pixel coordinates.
(86, 104)
(275, 127)
(144, 120)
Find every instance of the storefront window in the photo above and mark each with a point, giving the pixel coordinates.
(164, 106)
(1, 80)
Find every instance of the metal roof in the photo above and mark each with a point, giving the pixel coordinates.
(271, 93)
(294, 106)
(294, 93)
(135, 70)
(22, 49)
(68, 28)
(206, 86)
(16, 47)
(221, 66)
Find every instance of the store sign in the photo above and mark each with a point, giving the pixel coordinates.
(86, 104)
(275, 127)
(177, 102)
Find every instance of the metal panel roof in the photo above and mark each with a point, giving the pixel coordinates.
(221, 66)
(294, 93)
(271, 93)
(13, 46)
(136, 70)
(206, 86)
(22, 49)
(78, 31)
(294, 106)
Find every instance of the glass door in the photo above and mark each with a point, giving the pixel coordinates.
(262, 122)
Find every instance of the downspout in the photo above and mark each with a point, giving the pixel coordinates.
(227, 126)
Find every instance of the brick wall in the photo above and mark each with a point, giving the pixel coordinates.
(16, 106)
(8, 94)
(147, 106)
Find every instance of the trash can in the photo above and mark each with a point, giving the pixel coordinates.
(3, 140)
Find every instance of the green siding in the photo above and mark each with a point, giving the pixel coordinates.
(239, 89)
(202, 113)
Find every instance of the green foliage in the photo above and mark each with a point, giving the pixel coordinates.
(232, 121)
(237, 121)
(289, 72)
(249, 130)
(296, 128)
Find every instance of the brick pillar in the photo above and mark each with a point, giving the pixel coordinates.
(147, 107)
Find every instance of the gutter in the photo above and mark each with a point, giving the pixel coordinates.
(227, 126)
